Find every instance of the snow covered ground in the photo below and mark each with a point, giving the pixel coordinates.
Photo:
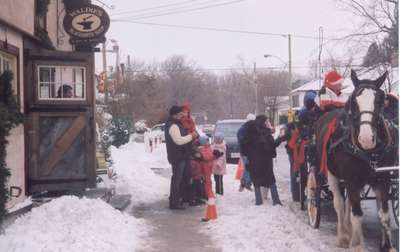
(72, 224)
(133, 164)
(243, 226)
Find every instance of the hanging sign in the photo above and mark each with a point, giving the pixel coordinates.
(86, 24)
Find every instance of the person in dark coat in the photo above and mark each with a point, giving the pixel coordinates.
(391, 109)
(260, 148)
(176, 139)
(245, 180)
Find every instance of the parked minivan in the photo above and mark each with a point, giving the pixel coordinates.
(229, 128)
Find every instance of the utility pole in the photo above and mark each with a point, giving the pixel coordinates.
(255, 86)
(105, 73)
(117, 66)
(290, 111)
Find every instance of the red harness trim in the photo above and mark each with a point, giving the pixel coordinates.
(324, 103)
(324, 157)
(299, 155)
(293, 139)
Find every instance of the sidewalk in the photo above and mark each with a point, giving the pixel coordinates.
(177, 230)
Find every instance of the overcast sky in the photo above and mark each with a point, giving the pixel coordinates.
(215, 49)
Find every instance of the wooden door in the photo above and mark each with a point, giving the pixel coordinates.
(60, 146)
(59, 133)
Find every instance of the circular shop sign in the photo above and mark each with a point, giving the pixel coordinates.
(86, 22)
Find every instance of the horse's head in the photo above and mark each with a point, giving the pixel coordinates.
(365, 106)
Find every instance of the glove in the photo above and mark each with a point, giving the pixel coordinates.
(194, 135)
(217, 154)
(197, 156)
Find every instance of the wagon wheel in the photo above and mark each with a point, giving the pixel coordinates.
(302, 186)
(395, 202)
(314, 198)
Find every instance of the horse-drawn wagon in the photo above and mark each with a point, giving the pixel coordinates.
(352, 156)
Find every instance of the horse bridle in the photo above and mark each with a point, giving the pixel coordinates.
(356, 119)
(373, 123)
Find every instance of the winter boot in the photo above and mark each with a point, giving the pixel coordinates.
(275, 195)
(257, 191)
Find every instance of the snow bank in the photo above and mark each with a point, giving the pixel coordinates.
(72, 224)
(135, 175)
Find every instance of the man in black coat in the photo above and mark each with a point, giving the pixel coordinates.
(176, 139)
(260, 148)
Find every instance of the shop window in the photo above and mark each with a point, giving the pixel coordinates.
(8, 62)
(61, 83)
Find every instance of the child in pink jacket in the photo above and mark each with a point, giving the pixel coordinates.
(219, 165)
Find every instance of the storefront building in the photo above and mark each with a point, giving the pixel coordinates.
(48, 45)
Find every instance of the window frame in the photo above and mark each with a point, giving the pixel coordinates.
(50, 82)
(59, 101)
(11, 53)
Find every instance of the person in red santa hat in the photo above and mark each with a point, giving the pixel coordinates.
(187, 121)
(330, 96)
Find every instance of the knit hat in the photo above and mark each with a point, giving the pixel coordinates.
(250, 117)
(175, 110)
(186, 106)
(309, 99)
(332, 78)
(203, 140)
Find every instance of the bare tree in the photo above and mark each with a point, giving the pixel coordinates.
(380, 24)
(379, 16)
(273, 85)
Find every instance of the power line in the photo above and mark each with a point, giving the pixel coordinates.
(184, 10)
(155, 8)
(172, 10)
(220, 29)
(111, 7)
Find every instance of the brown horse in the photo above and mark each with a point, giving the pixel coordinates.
(361, 142)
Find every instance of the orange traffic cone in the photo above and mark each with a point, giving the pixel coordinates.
(211, 213)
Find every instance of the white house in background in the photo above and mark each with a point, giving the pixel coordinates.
(298, 93)
(392, 80)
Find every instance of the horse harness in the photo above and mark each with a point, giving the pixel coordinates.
(345, 136)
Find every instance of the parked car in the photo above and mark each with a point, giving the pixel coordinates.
(229, 129)
(159, 128)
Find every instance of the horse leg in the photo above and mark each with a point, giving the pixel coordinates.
(382, 192)
(357, 238)
(342, 232)
(347, 214)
